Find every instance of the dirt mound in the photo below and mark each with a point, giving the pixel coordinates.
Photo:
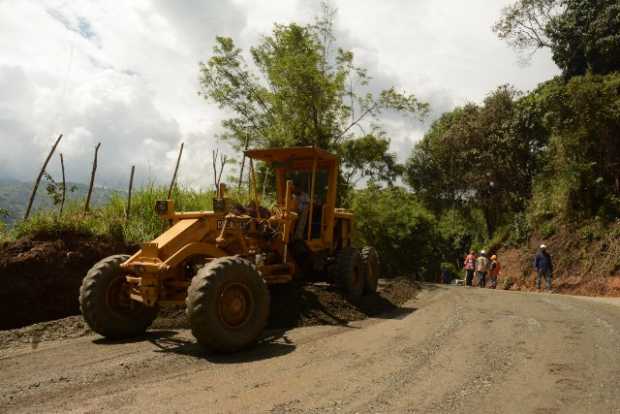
(322, 304)
(41, 275)
(291, 306)
(294, 305)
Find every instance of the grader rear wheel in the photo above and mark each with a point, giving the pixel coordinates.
(227, 304)
(370, 263)
(350, 274)
(105, 303)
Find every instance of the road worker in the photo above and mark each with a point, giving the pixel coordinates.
(469, 265)
(482, 268)
(494, 272)
(544, 267)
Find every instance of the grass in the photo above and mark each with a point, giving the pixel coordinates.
(109, 219)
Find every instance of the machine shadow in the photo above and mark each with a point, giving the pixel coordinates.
(378, 307)
(147, 336)
(272, 344)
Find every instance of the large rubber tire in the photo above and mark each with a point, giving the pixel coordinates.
(108, 319)
(370, 264)
(350, 272)
(227, 305)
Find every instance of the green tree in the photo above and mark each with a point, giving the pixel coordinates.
(524, 24)
(582, 34)
(477, 158)
(301, 90)
(581, 177)
(368, 157)
(586, 36)
(402, 230)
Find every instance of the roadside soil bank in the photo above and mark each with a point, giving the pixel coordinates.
(586, 263)
(41, 275)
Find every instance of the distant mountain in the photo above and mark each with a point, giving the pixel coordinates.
(14, 197)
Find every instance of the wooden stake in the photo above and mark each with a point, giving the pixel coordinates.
(176, 170)
(214, 159)
(38, 180)
(223, 160)
(217, 175)
(64, 185)
(128, 212)
(92, 179)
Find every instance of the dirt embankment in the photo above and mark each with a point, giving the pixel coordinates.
(41, 277)
(585, 262)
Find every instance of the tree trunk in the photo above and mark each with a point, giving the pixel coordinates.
(92, 179)
(64, 186)
(38, 180)
(128, 211)
(176, 170)
(247, 144)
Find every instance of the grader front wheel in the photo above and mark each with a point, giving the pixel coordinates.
(227, 304)
(106, 305)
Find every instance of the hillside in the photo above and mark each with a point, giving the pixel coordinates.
(586, 260)
(14, 197)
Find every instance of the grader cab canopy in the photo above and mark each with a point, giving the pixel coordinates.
(308, 166)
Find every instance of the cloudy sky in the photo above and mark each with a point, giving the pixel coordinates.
(126, 73)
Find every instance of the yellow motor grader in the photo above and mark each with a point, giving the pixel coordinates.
(219, 263)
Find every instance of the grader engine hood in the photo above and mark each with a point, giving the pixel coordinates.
(187, 237)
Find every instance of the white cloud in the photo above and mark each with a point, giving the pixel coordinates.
(126, 74)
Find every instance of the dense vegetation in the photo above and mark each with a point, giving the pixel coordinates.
(484, 175)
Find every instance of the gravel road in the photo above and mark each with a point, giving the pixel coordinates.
(449, 350)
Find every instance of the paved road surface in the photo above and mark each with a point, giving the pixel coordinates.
(450, 350)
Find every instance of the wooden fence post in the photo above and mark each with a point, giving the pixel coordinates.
(214, 161)
(64, 185)
(217, 175)
(38, 180)
(128, 212)
(92, 179)
(176, 170)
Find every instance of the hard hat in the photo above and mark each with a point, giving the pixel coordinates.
(543, 246)
(483, 252)
(494, 257)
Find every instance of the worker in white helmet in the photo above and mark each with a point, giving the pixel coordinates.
(482, 268)
(544, 267)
